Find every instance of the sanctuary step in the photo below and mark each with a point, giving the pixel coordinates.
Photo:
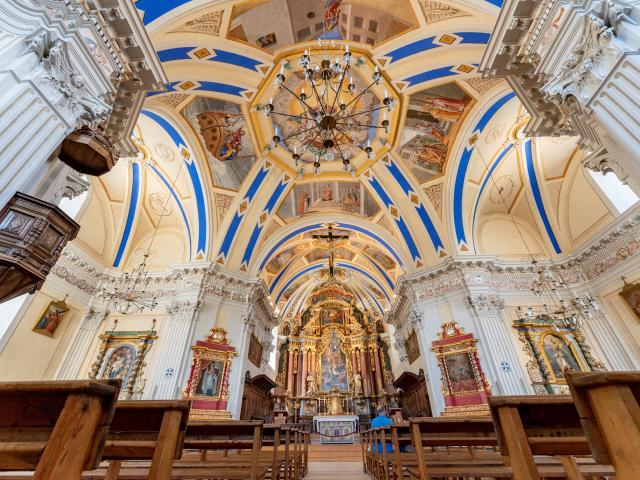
(337, 469)
(315, 439)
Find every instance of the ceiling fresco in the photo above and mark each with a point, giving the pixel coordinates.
(431, 123)
(275, 24)
(326, 197)
(223, 133)
(449, 169)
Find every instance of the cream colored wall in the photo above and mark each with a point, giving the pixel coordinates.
(29, 355)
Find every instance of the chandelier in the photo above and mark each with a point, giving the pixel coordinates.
(129, 294)
(327, 118)
(566, 309)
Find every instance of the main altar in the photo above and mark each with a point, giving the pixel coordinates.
(333, 364)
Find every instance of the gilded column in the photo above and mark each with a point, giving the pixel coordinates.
(376, 356)
(303, 373)
(364, 373)
(290, 372)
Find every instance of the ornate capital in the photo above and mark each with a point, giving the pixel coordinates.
(485, 304)
(182, 310)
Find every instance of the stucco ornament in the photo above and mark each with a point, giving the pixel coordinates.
(65, 88)
(594, 56)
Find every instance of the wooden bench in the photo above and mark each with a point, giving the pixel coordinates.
(144, 431)
(229, 439)
(609, 411)
(541, 425)
(55, 428)
(468, 448)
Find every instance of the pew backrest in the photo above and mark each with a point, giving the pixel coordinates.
(55, 427)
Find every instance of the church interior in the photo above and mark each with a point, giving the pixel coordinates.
(286, 239)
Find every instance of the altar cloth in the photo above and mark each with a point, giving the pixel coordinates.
(336, 428)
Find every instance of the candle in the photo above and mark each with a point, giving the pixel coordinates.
(347, 49)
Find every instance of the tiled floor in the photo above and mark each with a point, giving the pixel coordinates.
(336, 471)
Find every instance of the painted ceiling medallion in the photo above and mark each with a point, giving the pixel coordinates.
(326, 106)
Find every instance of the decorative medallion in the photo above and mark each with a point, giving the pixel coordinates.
(434, 194)
(165, 152)
(482, 85)
(437, 11)
(209, 23)
(223, 203)
(502, 190)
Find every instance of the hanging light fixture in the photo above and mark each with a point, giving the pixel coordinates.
(565, 310)
(328, 114)
(129, 294)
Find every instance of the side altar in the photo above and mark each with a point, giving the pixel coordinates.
(333, 365)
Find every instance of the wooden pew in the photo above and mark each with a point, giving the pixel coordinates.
(57, 428)
(145, 430)
(461, 437)
(541, 425)
(225, 436)
(609, 411)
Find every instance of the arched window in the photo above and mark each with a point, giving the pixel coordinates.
(619, 195)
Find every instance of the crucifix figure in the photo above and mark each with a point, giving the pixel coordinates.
(330, 237)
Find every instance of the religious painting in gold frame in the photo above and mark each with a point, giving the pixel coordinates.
(208, 384)
(255, 351)
(630, 295)
(51, 318)
(411, 347)
(560, 355)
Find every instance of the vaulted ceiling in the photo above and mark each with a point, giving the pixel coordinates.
(453, 176)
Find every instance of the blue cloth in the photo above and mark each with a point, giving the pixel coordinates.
(381, 421)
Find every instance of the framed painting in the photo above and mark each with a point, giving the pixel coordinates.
(560, 355)
(411, 347)
(255, 351)
(51, 318)
(460, 372)
(630, 295)
(210, 378)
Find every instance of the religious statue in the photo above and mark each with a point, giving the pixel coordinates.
(335, 402)
(357, 384)
(311, 385)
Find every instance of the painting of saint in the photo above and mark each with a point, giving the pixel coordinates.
(560, 356)
(119, 363)
(331, 14)
(51, 318)
(267, 40)
(460, 373)
(333, 365)
(331, 315)
(334, 196)
(631, 296)
(222, 130)
(255, 351)
(210, 378)
(411, 347)
(432, 122)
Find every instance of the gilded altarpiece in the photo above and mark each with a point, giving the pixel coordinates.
(208, 384)
(464, 386)
(553, 349)
(333, 361)
(122, 356)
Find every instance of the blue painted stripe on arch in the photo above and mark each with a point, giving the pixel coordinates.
(154, 9)
(375, 300)
(177, 53)
(426, 44)
(286, 238)
(430, 75)
(463, 166)
(375, 237)
(406, 234)
(236, 59)
(253, 240)
(204, 86)
(486, 180)
(177, 199)
(275, 196)
(535, 190)
(192, 169)
(279, 276)
(256, 183)
(382, 271)
(230, 235)
(131, 214)
(322, 265)
(436, 241)
(384, 196)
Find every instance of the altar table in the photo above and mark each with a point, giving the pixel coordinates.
(336, 428)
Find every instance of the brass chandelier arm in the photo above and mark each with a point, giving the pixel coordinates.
(296, 96)
(360, 94)
(363, 112)
(292, 116)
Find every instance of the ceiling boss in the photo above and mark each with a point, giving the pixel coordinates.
(327, 105)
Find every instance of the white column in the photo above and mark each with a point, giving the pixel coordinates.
(69, 368)
(236, 380)
(174, 349)
(501, 361)
(609, 344)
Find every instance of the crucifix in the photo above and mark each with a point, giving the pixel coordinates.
(330, 237)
